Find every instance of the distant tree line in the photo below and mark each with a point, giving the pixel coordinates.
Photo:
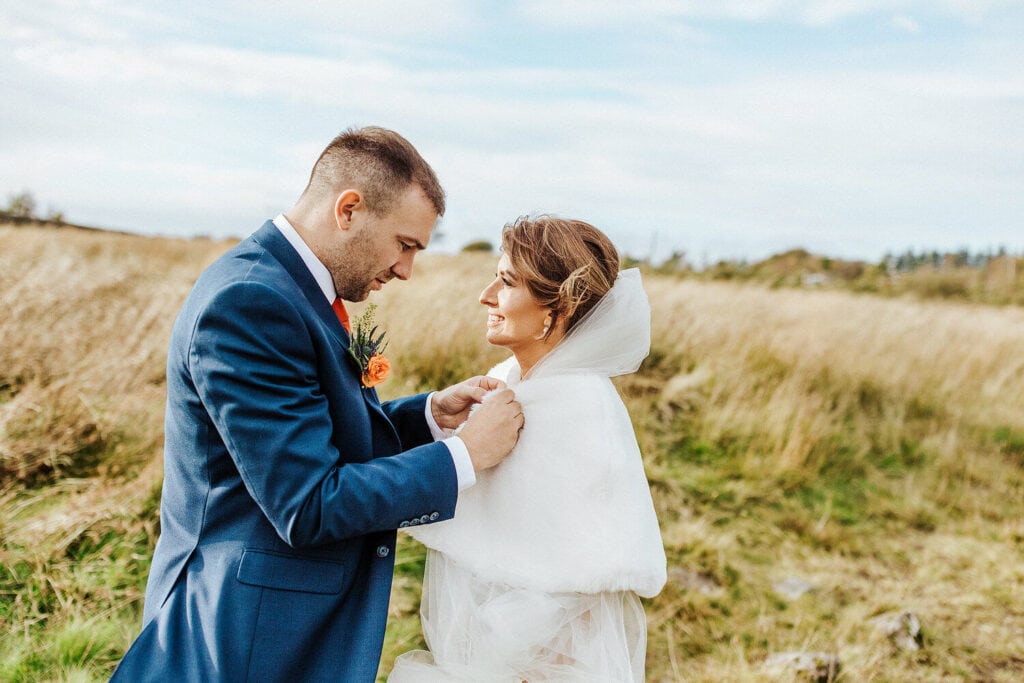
(802, 260)
(22, 206)
(909, 260)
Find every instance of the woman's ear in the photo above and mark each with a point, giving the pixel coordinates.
(555, 322)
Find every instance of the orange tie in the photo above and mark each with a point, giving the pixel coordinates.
(339, 310)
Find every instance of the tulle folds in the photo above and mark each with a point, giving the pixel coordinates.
(488, 632)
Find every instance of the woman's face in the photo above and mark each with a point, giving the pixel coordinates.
(514, 318)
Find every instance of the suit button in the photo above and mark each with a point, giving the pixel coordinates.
(403, 524)
(424, 519)
(383, 551)
(434, 516)
(413, 521)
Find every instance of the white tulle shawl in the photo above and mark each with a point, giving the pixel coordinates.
(570, 509)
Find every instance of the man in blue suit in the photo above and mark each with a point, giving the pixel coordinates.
(284, 476)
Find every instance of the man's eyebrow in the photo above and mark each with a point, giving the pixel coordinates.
(508, 273)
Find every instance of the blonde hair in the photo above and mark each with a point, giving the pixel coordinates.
(567, 265)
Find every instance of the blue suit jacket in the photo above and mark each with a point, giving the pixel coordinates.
(284, 480)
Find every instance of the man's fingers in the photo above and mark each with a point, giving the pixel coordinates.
(489, 383)
(504, 396)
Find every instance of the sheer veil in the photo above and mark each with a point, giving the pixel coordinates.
(612, 339)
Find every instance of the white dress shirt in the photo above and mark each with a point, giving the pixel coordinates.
(464, 471)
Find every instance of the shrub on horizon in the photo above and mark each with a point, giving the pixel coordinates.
(482, 246)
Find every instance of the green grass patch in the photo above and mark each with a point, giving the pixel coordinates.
(411, 558)
(1011, 442)
(79, 643)
(78, 648)
(909, 455)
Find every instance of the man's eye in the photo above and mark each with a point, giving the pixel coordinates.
(406, 247)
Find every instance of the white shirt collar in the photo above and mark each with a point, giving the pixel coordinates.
(317, 269)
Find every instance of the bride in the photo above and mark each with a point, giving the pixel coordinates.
(538, 575)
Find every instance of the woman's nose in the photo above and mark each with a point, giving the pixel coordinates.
(487, 296)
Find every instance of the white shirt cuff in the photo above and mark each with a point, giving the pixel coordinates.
(435, 431)
(464, 472)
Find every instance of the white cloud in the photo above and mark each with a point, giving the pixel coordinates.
(615, 13)
(905, 23)
(610, 13)
(387, 19)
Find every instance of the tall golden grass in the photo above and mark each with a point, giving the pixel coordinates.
(874, 447)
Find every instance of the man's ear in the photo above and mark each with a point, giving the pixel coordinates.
(345, 205)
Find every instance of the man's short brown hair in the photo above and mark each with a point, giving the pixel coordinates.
(378, 162)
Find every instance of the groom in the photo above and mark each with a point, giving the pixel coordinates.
(284, 476)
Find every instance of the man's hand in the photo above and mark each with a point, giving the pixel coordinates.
(451, 406)
(493, 429)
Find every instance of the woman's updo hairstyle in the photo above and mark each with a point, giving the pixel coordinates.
(567, 265)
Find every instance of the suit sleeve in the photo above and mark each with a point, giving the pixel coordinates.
(407, 414)
(255, 369)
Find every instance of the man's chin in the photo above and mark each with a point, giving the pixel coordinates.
(355, 296)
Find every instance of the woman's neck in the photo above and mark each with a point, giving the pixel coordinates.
(527, 361)
(529, 355)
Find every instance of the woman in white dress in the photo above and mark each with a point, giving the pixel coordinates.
(537, 577)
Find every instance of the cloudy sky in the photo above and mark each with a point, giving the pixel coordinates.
(722, 129)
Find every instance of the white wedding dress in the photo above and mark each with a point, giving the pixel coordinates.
(538, 575)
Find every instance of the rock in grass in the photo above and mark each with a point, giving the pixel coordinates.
(694, 581)
(903, 629)
(792, 587)
(815, 667)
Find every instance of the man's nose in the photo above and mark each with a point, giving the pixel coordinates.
(403, 268)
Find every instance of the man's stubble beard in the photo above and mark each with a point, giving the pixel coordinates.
(348, 263)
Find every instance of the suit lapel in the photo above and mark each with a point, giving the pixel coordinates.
(271, 239)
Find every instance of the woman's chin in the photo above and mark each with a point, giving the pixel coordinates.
(494, 338)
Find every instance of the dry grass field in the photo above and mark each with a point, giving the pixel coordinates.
(872, 448)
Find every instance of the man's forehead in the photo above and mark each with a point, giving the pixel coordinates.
(418, 232)
(415, 218)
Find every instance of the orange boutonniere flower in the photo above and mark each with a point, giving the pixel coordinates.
(377, 370)
(367, 348)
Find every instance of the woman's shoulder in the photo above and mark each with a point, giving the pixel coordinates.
(574, 399)
(507, 370)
